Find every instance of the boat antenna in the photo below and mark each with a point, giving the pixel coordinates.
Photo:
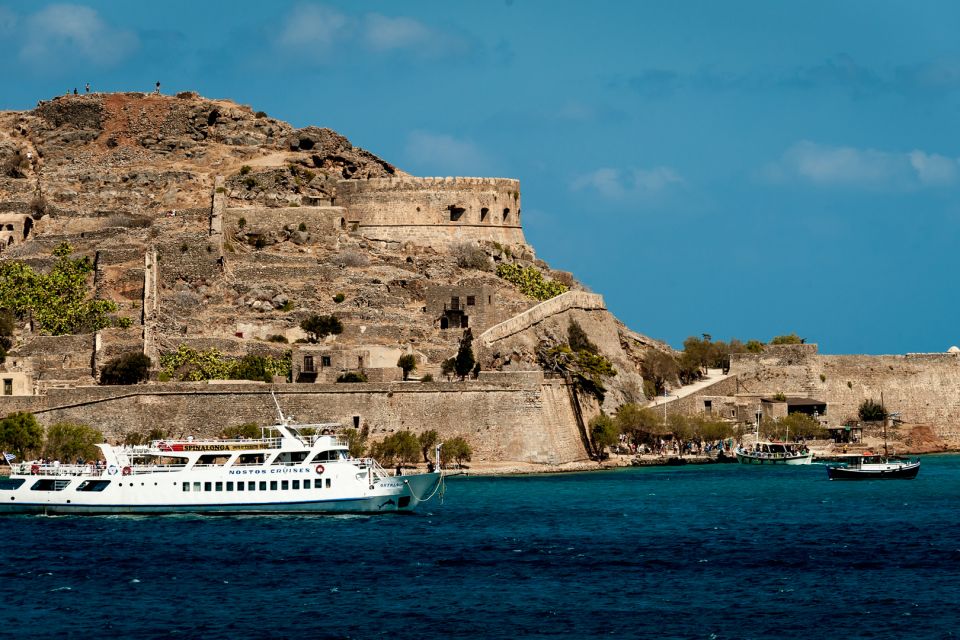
(886, 452)
(273, 395)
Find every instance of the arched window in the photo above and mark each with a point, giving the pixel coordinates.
(27, 227)
(483, 214)
(506, 215)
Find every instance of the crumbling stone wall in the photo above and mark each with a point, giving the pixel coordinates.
(428, 211)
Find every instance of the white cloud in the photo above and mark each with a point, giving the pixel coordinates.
(66, 32)
(383, 33)
(617, 184)
(442, 154)
(826, 165)
(312, 27)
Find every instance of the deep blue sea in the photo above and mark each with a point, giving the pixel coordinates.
(720, 551)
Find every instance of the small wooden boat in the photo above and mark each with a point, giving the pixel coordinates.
(868, 466)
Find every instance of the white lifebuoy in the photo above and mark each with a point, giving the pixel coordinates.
(127, 471)
(112, 470)
(319, 469)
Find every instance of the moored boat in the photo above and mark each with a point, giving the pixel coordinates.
(774, 453)
(284, 471)
(867, 466)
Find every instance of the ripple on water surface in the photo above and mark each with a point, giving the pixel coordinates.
(692, 552)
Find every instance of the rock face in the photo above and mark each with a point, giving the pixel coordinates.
(212, 225)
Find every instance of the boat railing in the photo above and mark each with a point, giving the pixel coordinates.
(377, 471)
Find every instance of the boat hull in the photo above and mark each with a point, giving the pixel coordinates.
(403, 494)
(744, 458)
(899, 472)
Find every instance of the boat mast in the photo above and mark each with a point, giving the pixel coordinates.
(886, 452)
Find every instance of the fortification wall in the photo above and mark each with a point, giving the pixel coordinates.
(923, 387)
(430, 210)
(505, 417)
(537, 314)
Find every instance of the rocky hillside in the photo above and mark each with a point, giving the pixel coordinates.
(119, 176)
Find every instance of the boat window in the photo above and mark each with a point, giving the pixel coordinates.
(328, 483)
(230, 486)
(219, 486)
(273, 485)
(186, 487)
(291, 457)
(318, 483)
(213, 459)
(296, 484)
(263, 485)
(251, 486)
(306, 484)
(330, 454)
(240, 486)
(196, 486)
(250, 458)
(208, 486)
(9, 484)
(93, 485)
(50, 485)
(285, 485)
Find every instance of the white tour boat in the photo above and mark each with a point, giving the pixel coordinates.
(774, 453)
(282, 472)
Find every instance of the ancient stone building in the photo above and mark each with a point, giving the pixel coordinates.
(326, 362)
(462, 306)
(428, 211)
(14, 229)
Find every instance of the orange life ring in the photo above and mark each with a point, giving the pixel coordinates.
(319, 469)
(35, 470)
(127, 471)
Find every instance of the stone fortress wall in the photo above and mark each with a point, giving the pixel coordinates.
(507, 417)
(924, 388)
(434, 210)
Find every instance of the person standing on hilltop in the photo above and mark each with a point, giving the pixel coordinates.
(74, 91)
(88, 88)
(157, 90)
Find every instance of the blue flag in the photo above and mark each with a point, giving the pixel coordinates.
(9, 457)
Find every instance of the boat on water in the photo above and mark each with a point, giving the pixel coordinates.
(869, 466)
(284, 471)
(774, 453)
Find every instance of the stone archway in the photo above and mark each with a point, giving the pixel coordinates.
(27, 227)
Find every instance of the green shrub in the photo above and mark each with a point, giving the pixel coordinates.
(287, 306)
(245, 169)
(129, 368)
(792, 338)
(191, 365)
(530, 281)
(123, 322)
(352, 376)
(249, 430)
(823, 377)
(302, 226)
(339, 298)
(241, 223)
(68, 442)
(277, 338)
(870, 410)
(408, 363)
(604, 433)
(455, 449)
(427, 378)
(249, 182)
(780, 396)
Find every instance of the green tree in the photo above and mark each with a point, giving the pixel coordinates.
(791, 338)
(58, 300)
(465, 360)
(660, 368)
(455, 449)
(250, 430)
(252, 367)
(448, 366)
(129, 368)
(319, 327)
(754, 346)
(68, 441)
(401, 446)
(407, 362)
(870, 411)
(800, 424)
(356, 441)
(603, 433)
(637, 421)
(20, 432)
(428, 440)
(7, 327)
(352, 376)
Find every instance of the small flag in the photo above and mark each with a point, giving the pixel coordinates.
(9, 457)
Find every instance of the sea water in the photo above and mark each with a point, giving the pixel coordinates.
(719, 551)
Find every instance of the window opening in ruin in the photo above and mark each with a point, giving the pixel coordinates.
(7, 387)
(483, 214)
(708, 406)
(455, 212)
(324, 361)
(489, 299)
(454, 303)
(471, 300)
(9, 227)
(308, 364)
(10, 241)
(464, 322)
(343, 223)
(506, 214)
(27, 227)
(360, 362)
(356, 422)
(444, 323)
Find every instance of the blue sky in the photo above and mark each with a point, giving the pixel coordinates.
(737, 168)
